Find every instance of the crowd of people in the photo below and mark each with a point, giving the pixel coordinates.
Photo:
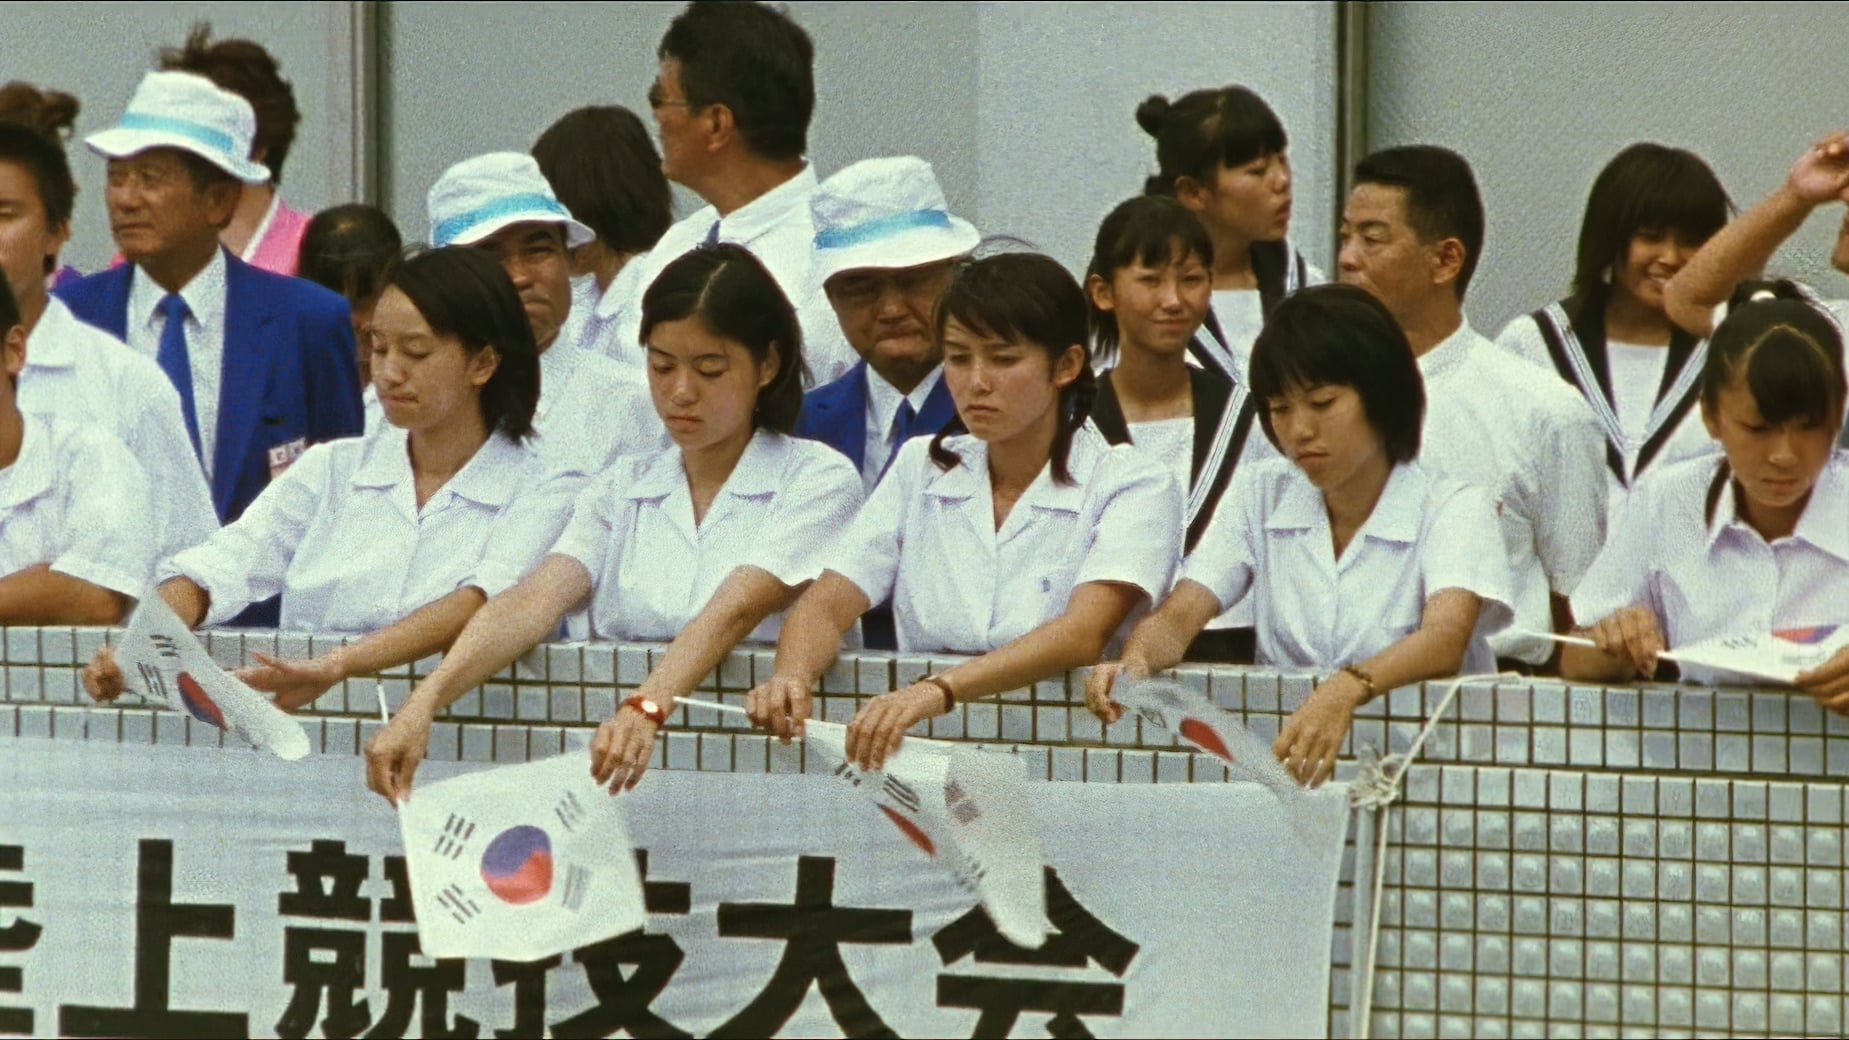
(830, 413)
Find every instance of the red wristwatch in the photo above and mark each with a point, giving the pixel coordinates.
(649, 709)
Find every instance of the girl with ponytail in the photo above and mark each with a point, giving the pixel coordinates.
(1017, 535)
(1222, 153)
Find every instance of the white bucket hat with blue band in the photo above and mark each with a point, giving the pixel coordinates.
(885, 213)
(188, 112)
(477, 197)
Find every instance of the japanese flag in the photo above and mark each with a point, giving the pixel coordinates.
(1778, 656)
(163, 661)
(1190, 717)
(966, 809)
(519, 862)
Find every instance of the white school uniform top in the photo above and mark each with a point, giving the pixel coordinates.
(652, 569)
(1516, 431)
(76, 499)
(927, 540)
(777, 228)
(1636, 373)
(84, 376)
(1241, 315)
(577, 324)
(592, 409)
(340, 535)
(1426, 534)
(1711, 579)
(205, 339)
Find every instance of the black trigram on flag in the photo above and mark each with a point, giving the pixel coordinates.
(570, 812)
(901, 792)
(165, 646)
(458, 903)
(153, 683)
(962, 809)
(455, 837)
(848, 773)
(571, 892)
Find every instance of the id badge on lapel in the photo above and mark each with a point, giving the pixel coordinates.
(283, 455)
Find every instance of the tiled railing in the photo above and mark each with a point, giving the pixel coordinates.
(1567, 861)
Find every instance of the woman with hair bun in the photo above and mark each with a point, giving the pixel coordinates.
(1017, 535)
(398, 536)
(704, 543)
(1223, 154)
(1749, 542)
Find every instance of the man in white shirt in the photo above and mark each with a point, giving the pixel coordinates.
(81, 374)
(732, 102)
(1411, 234)
(591, 408)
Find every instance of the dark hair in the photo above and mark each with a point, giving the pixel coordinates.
(34, 125)
(1789, 353)
(462, 291)
(1442, 200)
(754, 60)
(603, 166)
(350, 249)
(1340, 335)
(1021, 298)
(1646, 187)
(244, 68)
(9, 308)
(1207, 129)
(1151, 230)
(734, 296)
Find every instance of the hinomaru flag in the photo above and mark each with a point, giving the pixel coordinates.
(163, 661)
(966, 809)
(519, 862)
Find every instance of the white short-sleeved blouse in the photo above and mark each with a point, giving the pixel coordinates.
(76, 500)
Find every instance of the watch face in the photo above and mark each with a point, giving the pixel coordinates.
(650, 708)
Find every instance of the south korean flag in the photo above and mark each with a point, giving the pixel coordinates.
(519, 862)
(964, 808)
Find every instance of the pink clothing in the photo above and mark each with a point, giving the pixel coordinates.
(280, 248)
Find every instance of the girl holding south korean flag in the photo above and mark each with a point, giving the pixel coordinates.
(1017, 535)
(1749, 543)
(400, 535)
(1357, 561)
(704, 543)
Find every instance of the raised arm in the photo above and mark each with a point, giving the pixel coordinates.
(621, 749)
(1312, 736)
(1074, 639)
(1743, 248)
(504, 628)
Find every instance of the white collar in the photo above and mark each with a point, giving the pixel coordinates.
(263, 227)
(490, 477)
(883, 398)
(1396, 516)
(36, 468)
(1822, 524)
(768, 211)
(204, 295)
(49, 346)
(759, 471)
(1450, 352)
(970, 477)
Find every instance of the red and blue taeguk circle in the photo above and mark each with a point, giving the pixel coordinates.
(198, 703)
(518, 865)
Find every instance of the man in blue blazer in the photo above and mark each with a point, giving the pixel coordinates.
(885, 248)
(265, 365)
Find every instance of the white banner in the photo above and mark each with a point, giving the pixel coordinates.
(158, 891)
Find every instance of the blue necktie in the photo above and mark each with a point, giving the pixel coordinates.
(712, 235)
(902, 424)
(173, 360)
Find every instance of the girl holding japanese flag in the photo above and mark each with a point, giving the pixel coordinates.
(1017, 535)
(1754, 542)
(398, 536)
(703, 543)
(1358, 562)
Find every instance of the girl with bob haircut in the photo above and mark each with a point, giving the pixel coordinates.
(398, 536)
(1359, 562)
(1017, 535)
(1751, 542)
(1222, 153)
(1149, 285)
(705, 543)
(1612, 338)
